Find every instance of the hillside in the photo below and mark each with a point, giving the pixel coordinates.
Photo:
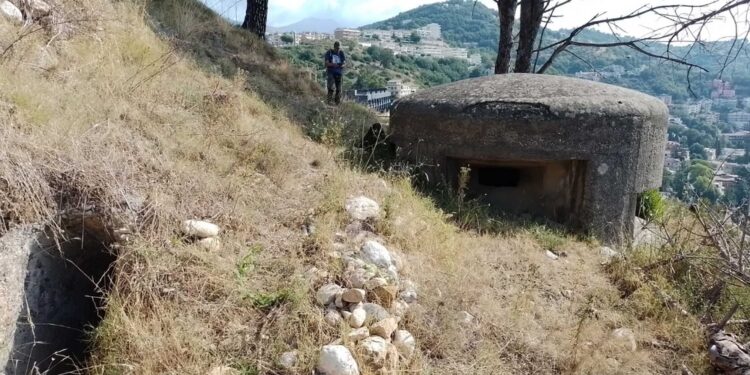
(144, 114)
(463, 23)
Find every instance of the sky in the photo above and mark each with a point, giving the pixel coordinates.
(354, 13)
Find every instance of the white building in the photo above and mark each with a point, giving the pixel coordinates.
(709, 118)
(399, 89)
(685, 109)
(739, 118)
(347, 34)
(591, 76)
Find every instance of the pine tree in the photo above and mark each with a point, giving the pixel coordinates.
(255, 17)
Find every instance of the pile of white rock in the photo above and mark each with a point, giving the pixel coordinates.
(204, 233)
(370, 304)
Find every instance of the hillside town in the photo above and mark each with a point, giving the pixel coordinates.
(724, 110)
(425, 41)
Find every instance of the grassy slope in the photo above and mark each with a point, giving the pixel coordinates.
(126, 112)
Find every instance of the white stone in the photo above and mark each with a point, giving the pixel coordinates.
(314, 275)
(375, 282)
(398, 261)
(353, 295)
(399, 308)
(408, 291)
(354, 263)
(384, 328)
(465, 318)
(392, 274)
(375, 253)
(358, 334)
(333, 318)
(405, 343)
(10, 12)
(200, 229)
(626, 337)
(551, 255)
(210, 244)
(357, 278)
(337, 360)
(288, 360)
(39, 8)
(375, 349)
(375, 312)
(362, 208)
(608, 253)
(338, 301)
(327, 294)
(358, 317)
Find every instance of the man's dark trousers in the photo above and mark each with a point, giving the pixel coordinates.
(334, 82)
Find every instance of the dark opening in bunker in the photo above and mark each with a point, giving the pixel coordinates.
(498, 176)
(67, 278)
(543, 189)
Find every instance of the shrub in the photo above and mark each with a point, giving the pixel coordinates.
(650, 205)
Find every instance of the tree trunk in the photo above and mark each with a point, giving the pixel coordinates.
(531, 20)
(507, 10)
(255, 17)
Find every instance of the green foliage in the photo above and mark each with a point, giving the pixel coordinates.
(287, 39)
(651, 205)
(693, 181)
(267, 301)
(374, 66)
(384, 56)
(698, 152)
(247, 263)
(246, 368)
(414, 37)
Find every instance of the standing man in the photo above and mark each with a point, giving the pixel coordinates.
(335, 60)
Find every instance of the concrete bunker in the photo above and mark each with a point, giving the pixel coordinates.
(55, 300)
(573, 151)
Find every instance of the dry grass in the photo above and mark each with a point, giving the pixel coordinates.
(127, 123)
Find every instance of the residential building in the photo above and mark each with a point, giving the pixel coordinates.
(725, 103)
(399, 89)
(740, 136)
(740, 119)
(347, 34)
(730, 153)
(709, 118)
(706, 105)
(685, 109)
(676, 121)
(723, 181)
(591, 76)
(722, 89)
(672, 164)
(475, 59)
(377, 99)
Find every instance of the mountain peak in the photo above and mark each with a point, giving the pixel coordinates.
(310, 24)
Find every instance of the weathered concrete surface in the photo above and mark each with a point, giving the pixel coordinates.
(617, 134)
(15, 247)
(53, 294)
